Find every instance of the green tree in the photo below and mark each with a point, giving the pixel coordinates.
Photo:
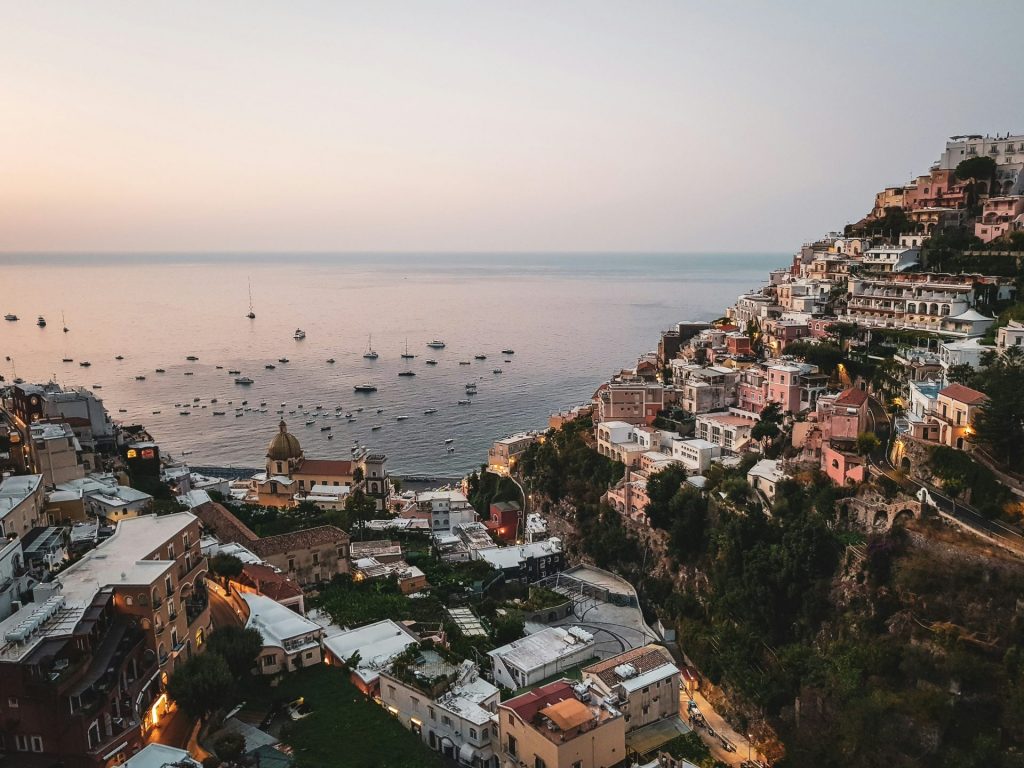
(867, 443)
(226, 566)
(1000, 422)
(661, 488)
(508, 628)
(979, 168)
(962, 373)
(202, 685)
(767, 427)
(360, 508)
(238, 647)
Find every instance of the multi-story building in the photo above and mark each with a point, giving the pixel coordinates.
(920, 301)
(560, 726)
(536, 657)
(14, 579)
(794, 386)
(939, 188)
(1010, 335)
(999, 216)
(78, 407)
(729, 431)
(616, 440)
(58, 454)
(1007, 151)
(103, 497)
(695, 455)
(526, 562)
(80, 666)
(444, 508)
(290, 640)
(308, 556)
(642, 683)
(890, 258)
(22, 504)
(447, 704)
(779, 333)
(632, 402)
(701, 389)
(955, 409)
(503, 454)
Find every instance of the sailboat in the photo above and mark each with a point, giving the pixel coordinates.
(369, 354)
(406, 355)
(251, 315)
(63, 321)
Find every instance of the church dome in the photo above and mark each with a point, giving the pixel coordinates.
(284, 446)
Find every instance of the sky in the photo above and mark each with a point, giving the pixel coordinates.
(481, 126)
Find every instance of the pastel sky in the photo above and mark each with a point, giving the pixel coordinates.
(481, 126)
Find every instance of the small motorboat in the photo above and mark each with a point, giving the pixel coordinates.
(192, 358)
(430, 411)
(263, 404)
(119, 357)
(94, 386)
(508, 351)
(496, 370)
(380, 410)
(67, 360)
(219, 367)
(349, 415)
(213, 399)
(140, 378)
(282, 359)
(196, 399)
(11, 317)
(465, 402)
(401, 418)
(325, 429)
(234, 373)
(299, 334)
(464, 362)
(449, 440)
(364, 388)
(330, 360)
(238, 415)
(122, 410)
(243, 380)
(156, 413)
(160, 370)
(245, 402)
(270, 366)
(375, 427)
(310, 422)
(436, 344)
(219, 413)
(183, 413)
(330, 436)
(85, 363)
(479, 357)
(407, 373)
(431, 362)
(190, 373)
(41, 322)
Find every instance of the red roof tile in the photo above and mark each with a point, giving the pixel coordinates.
(289, 542)
(529, 704)
(963, 394)
(271, 583)
(325, 467)
(853, 396)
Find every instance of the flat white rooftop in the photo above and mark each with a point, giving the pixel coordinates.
(377, 644)
(277, 623)
(544, 647)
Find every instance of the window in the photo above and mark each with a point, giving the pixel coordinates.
(12, 702)
(291, 563)
(169, 586)
(269, 660)
(302, 483)
(200, 637)
(316, 558)
(446, 720)
(472, 733)
(184, 539)
(391, 691)
(433, 715)
(538, 762)
(170, 551)
(309, 654)
(512, 745)
(577, 764)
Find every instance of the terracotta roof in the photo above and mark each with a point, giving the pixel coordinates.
(529, 704)
(324, 467)
(270, 583)
(641, 659)
(289, 542)
(853, 396)
(225, 526)
(964, 394)
(568, 714)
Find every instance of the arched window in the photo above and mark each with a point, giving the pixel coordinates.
(933, 309)
(912, 308)
(945, 310)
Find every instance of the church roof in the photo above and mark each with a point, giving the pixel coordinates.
(284, 446)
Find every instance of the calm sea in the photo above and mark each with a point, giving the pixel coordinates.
(571, 319)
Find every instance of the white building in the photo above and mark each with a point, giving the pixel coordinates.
(728, 431)
(765, 476)
(330, 497)
(1007, 151)
(527, 661)
(1010, 335)
(446, 508)
(21, 504)
(290, 640)
(58, 453)
(103, 497)
(695, 455)
(14, 581)
(455, 719)
(373, 646)
(891, 258)
(963, 352)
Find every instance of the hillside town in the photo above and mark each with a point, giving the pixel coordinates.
(673, 573)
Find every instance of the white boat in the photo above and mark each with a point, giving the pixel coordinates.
(496, 370)
(370, 354)
(449, 440)
(407, 355)
(479, 357)
(431, 362)
(375, 427)
(401, 418)
(436, 344)
(243, 380)
(299, 334)
(465, 402)
(365, 388)
(430, 411)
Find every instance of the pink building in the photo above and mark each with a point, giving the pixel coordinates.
(751, 390)
(848, 415)
(999, 216)
(841, 466)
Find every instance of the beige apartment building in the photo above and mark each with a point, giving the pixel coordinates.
(555, 727)
(644, 683)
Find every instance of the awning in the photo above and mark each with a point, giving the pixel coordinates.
(466, 754)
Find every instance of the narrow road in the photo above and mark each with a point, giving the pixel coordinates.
(223, 612)
(742, 746)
